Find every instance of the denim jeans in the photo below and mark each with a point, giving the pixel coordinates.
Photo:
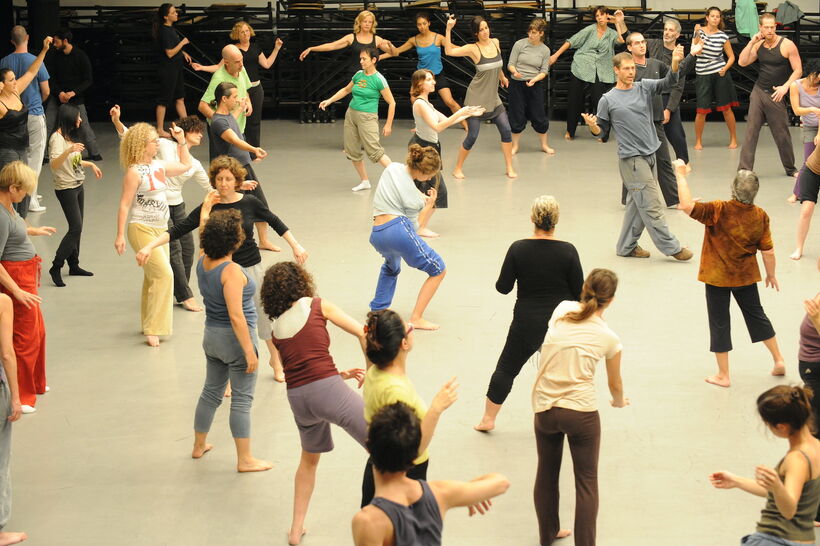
(7, 155)
(225, 360)
(763, 539)
(5, 455)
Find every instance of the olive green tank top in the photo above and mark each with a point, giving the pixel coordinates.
(801, 526)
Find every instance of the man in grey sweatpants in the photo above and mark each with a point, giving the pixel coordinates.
(627, 108)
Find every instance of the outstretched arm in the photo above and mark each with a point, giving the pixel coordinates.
(451, 494)
(341, 43)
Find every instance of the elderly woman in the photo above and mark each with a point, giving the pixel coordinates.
(143, 197)
(565, 405)
(19, 278)
(317, 394)
(591, 70)
(735, 231)
(528, 66)
(229, 343)
(548, 271)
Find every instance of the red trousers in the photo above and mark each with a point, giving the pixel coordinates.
(29, 331)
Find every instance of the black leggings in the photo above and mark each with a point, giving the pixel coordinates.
(71, 201)
(578, 89)
(525, 336)
(502, 122)
(253, 123)
(418, 472)
(257, 191)
(675, 133)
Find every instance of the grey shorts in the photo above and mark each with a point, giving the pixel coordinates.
(808, 133)
(316, 405)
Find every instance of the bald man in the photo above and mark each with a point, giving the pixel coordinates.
(231, 71)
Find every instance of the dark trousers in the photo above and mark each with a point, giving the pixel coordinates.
(578, 89)
(810, 374)
(675, 133)
(7, 155)
(72, 202)
(182, 255)
(583, 430)
(253, 124)
(525, 336)
(257, 191)
(763, 109)
(720, 328)
(527, 104)
(666, 173)
(418, 472)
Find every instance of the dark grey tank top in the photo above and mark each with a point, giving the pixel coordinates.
(775, 69)
(416, 525)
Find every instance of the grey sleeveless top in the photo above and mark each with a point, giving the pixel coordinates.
(483, 90)
(801, 526)
(416, 525)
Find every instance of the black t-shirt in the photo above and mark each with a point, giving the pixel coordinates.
(546, 270)
(169, 38)
(252, 211)
(250, 60)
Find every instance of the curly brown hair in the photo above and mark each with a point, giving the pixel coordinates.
(222, 234)
(283, 285)
(191, 124)
(224, 162)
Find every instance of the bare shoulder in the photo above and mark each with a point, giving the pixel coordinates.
(372, 527)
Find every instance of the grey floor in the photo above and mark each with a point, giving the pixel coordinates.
(106, 458)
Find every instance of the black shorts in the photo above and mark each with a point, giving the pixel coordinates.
(171, 83)
(809, 185)
(442, 81)
(715, 90)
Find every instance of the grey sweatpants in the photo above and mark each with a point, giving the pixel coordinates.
(644, 207)
(5, 455)
(763, 109)
(666, 173)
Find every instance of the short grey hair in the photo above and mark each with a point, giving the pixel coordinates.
(745, 186)
(672, 21)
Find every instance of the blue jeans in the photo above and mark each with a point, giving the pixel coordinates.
(225, 359)
(763, 539)
(397, 240)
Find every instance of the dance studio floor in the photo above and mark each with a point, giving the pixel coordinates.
(106, 458)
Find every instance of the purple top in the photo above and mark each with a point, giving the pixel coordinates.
(809, 342)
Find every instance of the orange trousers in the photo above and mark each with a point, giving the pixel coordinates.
(29, 331)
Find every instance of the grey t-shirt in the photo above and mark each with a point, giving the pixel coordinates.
(629, 113)
(14, 241)
(397, 194)
(221, 123)
(530, 60)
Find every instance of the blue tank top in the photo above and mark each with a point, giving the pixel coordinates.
(430, 57)
(416, 525)
(216, 310)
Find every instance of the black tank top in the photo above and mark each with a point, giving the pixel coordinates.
(774, 67)
(357, 47)
(14, 128)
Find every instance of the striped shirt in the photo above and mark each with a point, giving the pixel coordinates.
(711, 60)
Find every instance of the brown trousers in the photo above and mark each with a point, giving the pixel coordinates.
(584, 432)
(763, 109)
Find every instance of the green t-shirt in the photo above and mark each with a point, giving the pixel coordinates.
(366, 91)
(242, 83)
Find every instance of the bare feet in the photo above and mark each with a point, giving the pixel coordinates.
(796, 174)
(732, 144)
(458, 173)
(421, 324)
(698, 145)
(792, 199)
(548, 150)
(228, 391)
(563, 533)
(12, 538)
(567, 136)
(486, 425)
(779, 369)
(797, 254)
(191, 305)
(718, 380)
(152, 341)
(424, 232)
(514, 150)
(199, 451)
(512, 174)
(163, 134)
(267, 245)
(295, 537)
(253, 465)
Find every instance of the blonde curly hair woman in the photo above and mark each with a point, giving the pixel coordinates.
(143, 196)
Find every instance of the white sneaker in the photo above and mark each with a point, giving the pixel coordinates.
(28, 409)
(34, 205)
(365, 185)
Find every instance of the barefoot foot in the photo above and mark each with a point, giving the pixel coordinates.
(458, 173)
(424, 232)
(191, 305)
(797, 254)
(718, 380)
(486, 425)
(514, 150)
(152, 341)
(295, 537)
(421, 324)
(548, 150)
(732, 144)
(792, 199)
(267, 245)
(688, 168)
(698, 145)
(253, 465)
(511, 174)
(199, 451)
(563, 533)
(568, 136)
(779, 369)
(12, 538)
(228, 391)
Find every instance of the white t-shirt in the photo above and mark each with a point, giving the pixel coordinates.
(169, 152)
(397, 194)
(150, 206)
(71, 173)
(569, 356)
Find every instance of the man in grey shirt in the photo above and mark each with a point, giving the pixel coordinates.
(627, 108)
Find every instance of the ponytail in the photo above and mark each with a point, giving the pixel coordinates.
(784, 404)
(384, 332)
(162, 12)
(222, 90)
(598, 291)
(424, 160)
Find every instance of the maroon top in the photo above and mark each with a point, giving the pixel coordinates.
(809, 342)
(306, 356)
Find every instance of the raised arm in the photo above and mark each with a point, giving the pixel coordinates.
(115, 119)
(468, 50)
(267, 62)
(748, 54)
(686, 203)
(24, 80)
(620, 25)
(443, 400)
(173, 168)
(341, 43)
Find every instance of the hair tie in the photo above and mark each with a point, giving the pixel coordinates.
(365, 328)
(796, 393)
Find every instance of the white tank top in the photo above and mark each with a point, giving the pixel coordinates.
(150, 206)
(423, 130)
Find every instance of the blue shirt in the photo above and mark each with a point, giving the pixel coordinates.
(19, 64)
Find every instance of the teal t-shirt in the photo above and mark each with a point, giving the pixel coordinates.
(366, 91)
